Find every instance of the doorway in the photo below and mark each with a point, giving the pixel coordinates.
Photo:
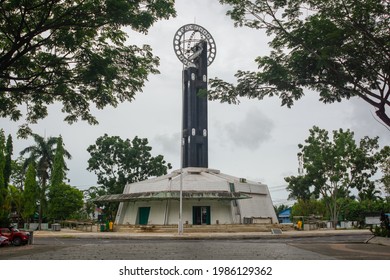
(143, 215)
(201, 215)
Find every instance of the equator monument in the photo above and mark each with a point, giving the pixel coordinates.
(194, 194)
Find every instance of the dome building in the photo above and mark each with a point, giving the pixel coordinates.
(209, 197)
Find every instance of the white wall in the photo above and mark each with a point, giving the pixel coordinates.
(167, 212)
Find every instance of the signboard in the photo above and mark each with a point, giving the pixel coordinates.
(373, 220)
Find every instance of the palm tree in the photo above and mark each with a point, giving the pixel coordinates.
(370, 193)
(42, 153)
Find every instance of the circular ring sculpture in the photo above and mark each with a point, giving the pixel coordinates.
(185, 40)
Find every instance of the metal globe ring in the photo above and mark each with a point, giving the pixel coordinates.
(183, 44)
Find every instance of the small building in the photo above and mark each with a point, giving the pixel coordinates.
(209, 197)
(284, 216)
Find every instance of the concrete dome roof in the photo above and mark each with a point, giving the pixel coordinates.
(196, 183)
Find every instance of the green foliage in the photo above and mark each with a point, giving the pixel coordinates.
(349, 209)
(118, 162)
(338, 48)
(89, 195)
(16, 200)
(59, 166)
(30, 193)
(17, 173)
(385, 167)
(64, 201)
(8, 161)
(280, 208)
(299, 188)
(370, 193)
(384, 228)
(75, 53)
(4, 203)
(308, 207)
(353, 210)
(42, 153)
(3, 187)
(334, 166)
(381, 231)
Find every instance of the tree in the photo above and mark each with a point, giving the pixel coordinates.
(61, 195)
(118, 162)
(89, 195)
(16, 201)
(280, 208)
(59, 166)
(8, 161)
(64, 200)
(299, 188)
(308, 207)
(354, 210)
(385, 167)
(75, 53)
(42, 153)
(18, 173)
(4, 203)
(334, 166)
(370, 193)
(338, 48)
(30, 194)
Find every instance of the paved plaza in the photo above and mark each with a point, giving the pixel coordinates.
(291, 245)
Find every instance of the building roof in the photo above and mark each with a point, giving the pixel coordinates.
(285, 213)
(196, 183)
(149, 196)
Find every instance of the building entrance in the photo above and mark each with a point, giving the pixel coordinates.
(143, 215)
(201, 215)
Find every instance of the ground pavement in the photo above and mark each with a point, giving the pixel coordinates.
(207, 235)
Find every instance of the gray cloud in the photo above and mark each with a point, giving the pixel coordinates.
(250, 132)
(364, 122)
(170, 143)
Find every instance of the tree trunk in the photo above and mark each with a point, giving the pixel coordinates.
(40, 216)
(335, 215)
(41, 202)
(381, 113)
(335, 207)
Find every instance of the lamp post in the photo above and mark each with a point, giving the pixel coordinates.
(180, 227)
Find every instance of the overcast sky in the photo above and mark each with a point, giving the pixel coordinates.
(256, 140)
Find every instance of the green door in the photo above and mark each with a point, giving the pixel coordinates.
(143, 215)
(201, 215)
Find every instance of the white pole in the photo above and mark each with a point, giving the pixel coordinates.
(180, 228)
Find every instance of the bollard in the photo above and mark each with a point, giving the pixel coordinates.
(31, 238)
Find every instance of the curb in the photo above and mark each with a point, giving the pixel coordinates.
(379, 240)
(196, 236)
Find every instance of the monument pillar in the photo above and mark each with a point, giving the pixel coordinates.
(196, 52)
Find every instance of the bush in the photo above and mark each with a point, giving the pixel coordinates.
(384, 229)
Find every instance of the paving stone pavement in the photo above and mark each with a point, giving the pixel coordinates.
(168, 250)
(76, 245)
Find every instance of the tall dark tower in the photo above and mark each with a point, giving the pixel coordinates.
(196, 52)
